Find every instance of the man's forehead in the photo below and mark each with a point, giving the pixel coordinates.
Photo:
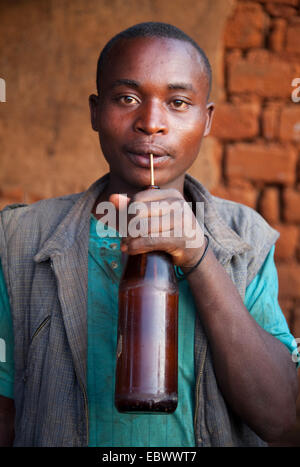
(154, 56)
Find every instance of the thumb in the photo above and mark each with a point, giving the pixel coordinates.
(120, 201)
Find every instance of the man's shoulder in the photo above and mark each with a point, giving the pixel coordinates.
(41, 207)
(37, 219)
(245, 221)
(232, 210)
(223, 213)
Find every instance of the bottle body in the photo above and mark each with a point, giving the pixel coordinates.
(147, 350)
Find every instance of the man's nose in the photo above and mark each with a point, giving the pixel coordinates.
(151, 119)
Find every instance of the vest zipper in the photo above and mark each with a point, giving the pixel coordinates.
(197, 395)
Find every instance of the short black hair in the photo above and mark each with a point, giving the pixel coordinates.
(152, 29)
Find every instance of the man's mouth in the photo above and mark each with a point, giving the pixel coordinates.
(141, 156)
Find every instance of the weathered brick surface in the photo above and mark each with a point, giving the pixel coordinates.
(259, 73)
(261, 61)
(287, 242)
(289, 280)
(286, 305)
(277, 35)
(291, 205)
(293, 34)
(284, 2)
(289, 129)
(246, 28)
(236, 122)
(233, 56)
(296, 324)
(242, 192)
(269, 205)
(261, 162)
(280, 10)
(209, 162)
(270, 120)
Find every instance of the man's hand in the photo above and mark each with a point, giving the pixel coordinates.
(161, 220)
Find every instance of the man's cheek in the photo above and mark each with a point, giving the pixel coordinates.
(109, 131)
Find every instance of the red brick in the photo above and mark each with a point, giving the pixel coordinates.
(263, 73)
(287, 242)
(290, 123)
(292, 59)
(246, 27)
(277, 35)
(236, 122)
(286, 306)
(240, 193)
(293, 35)
(261, 162)
(285, 2)
(298, 252)
(270, 120)
(291, 204)
(281, 11)
(207, 167)
(289, 280)
(296, 323)
(246, 98)
(233, 56)
(269, 205)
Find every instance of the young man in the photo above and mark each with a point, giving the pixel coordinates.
(237, 380)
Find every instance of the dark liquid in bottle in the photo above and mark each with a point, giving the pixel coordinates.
(147, 352)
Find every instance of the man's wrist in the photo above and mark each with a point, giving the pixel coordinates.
(187, 270)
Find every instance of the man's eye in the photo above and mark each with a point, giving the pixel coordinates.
(128, 100)
(180, 104)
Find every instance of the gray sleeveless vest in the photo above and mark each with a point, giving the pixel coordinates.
(44, 254)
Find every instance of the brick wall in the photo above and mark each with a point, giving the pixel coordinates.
(258, 125)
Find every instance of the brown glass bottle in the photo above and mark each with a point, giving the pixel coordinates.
(147, 350)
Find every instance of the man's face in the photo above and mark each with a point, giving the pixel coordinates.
(153, 99)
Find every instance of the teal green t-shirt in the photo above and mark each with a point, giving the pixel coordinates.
(107, 427)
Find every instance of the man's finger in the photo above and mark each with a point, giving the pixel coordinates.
(153, 195)
(120, 201)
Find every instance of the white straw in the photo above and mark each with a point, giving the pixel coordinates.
(152, 171)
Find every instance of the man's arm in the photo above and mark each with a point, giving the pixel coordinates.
(7, 421)
(254, 369)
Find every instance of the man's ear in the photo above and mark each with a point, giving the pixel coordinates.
(210, 108)
(94, 103)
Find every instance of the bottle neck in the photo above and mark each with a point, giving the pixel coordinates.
(155, 266)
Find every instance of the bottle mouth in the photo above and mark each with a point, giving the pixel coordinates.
(151, 187)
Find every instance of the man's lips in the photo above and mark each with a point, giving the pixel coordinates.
(140, 155)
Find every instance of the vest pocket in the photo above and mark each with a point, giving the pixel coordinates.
(40, 327)
(33, 340)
